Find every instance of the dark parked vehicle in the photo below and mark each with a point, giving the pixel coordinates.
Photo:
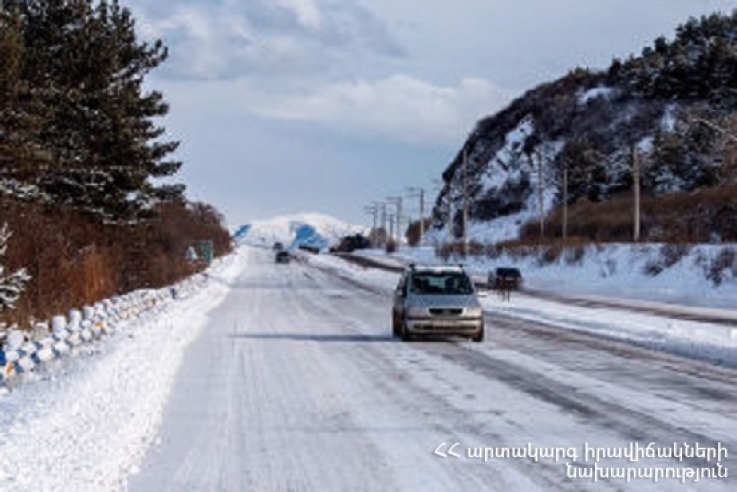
(349, 244)
(505, 278)
(282, 257)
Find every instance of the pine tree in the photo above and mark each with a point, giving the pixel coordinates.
(587, 171)
(106, 149)
(20, 113)
(685, 159)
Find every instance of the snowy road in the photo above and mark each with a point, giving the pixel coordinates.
(295, 384)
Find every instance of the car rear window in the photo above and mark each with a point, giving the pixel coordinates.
(439, 283)
(508, 272)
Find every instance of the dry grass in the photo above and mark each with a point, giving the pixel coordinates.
(696, 217)
(677, 221)
(74, 261)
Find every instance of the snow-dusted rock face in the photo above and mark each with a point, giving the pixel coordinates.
(592, 124)
(312, 230)
(511, 156)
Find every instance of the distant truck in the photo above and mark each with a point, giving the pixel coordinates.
(349, 244)
(310, 249)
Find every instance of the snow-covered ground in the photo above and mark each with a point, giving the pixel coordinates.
(84, 422)
(286, 377)
(716, 342)
(613, 270)
(306, 390)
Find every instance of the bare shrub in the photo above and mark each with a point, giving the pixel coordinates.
(493, 251)
(442, 251)
(703, 215)
(458, 250)
(573, 255)
(609, 268)
(673, 253)
(726, 260)
(653, 267)
(413, 230)
(476, 249)
(669, 255)
(701, 261)
(550, 253)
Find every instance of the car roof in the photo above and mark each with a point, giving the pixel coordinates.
(436, 269)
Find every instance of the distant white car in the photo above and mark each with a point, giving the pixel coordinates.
(436, 301)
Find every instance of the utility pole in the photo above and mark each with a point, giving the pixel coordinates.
(397, 201)
(372, 210)
(540, 190)
(448, 186)
(391, 228)
(565, 202)
(636, 185)
(421, 193)
(381, 233)
(465, 201)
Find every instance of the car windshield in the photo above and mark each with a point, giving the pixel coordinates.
(441, 283)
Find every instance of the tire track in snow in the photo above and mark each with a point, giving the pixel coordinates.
(616, 416)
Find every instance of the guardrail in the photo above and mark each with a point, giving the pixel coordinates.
(21, 354)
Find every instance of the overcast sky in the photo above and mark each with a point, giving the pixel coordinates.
(287, 106)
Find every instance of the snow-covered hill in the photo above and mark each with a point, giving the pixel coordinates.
(580, 136)
(309, 229)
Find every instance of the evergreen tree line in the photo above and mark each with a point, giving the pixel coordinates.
(83, 160)
(76, 124)
(700, 63)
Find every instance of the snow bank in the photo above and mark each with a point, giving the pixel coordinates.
(87, 422)
(713, 342)
(25, 352)
(699, 275)
(689, 276)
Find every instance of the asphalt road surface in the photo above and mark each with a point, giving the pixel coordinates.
(296, 384)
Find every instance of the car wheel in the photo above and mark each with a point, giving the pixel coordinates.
(479, 337)
(396, 329)
(406, 336)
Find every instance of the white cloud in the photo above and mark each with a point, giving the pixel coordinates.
(263, 38)
(307, 12)
(400, 107)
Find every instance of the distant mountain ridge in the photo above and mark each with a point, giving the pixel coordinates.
(309, 229)
(672, 108)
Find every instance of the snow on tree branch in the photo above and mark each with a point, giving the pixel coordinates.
(11, 285)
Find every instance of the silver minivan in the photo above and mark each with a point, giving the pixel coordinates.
(436, 301)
